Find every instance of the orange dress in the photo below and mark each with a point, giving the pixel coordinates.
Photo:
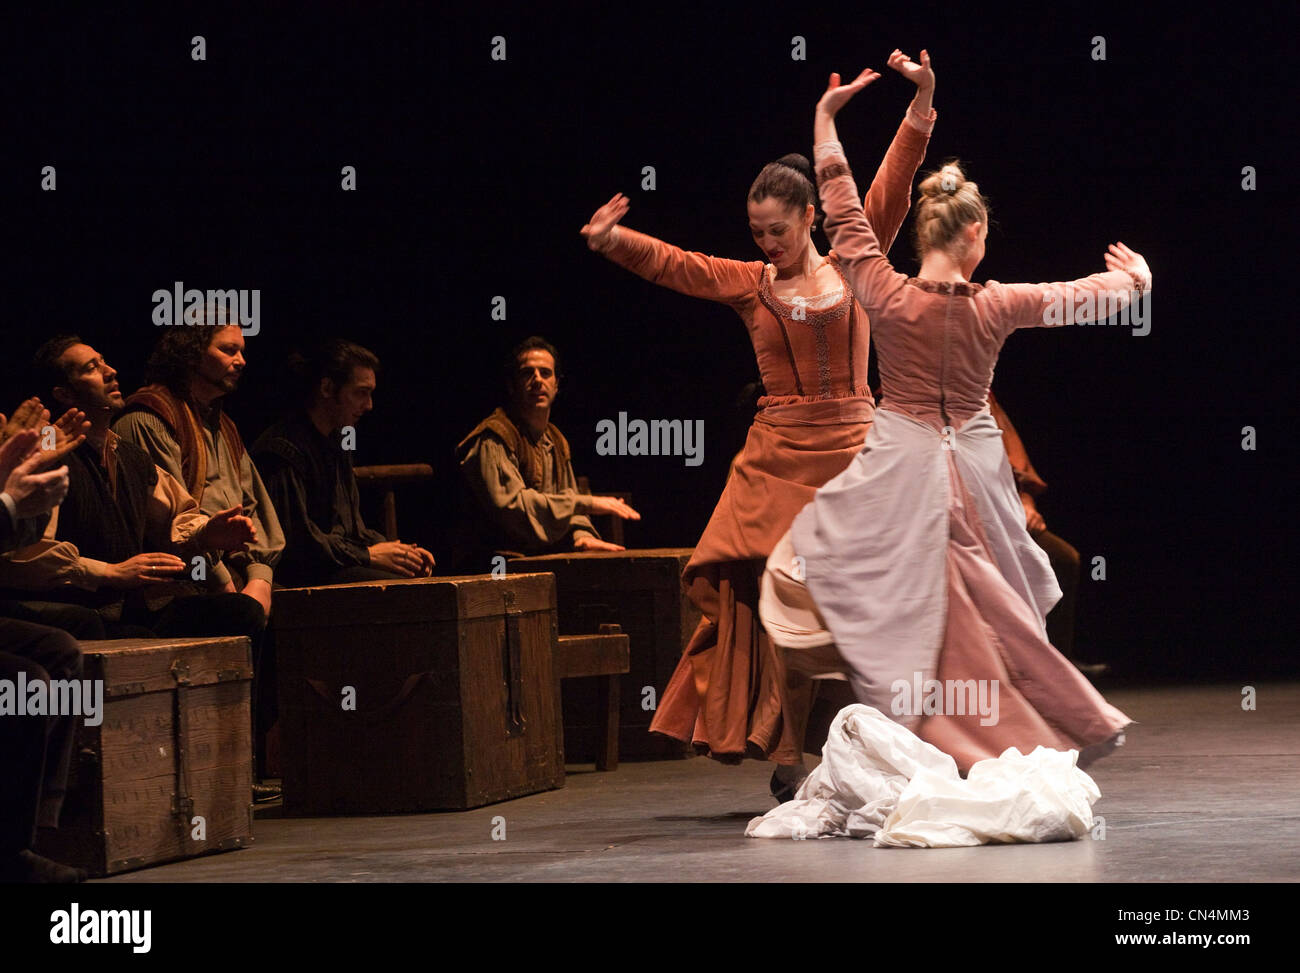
(727, 695)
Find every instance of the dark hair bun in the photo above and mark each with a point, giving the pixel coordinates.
(799, 163)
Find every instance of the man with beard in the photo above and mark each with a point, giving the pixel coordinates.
(516, 466)
(306, 460)
(178, 420)
(107, 565)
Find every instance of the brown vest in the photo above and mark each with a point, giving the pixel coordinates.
(530, 456)
(185, 425)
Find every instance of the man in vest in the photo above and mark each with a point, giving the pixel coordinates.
(127, 552)
(177, 419)
(516, 466)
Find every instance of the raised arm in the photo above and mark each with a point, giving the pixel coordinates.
(869, 273)
(1081, 301)
(697, 274)
(890, 195)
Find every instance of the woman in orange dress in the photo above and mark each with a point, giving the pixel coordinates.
(730, 695)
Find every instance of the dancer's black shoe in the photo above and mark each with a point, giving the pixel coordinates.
(780, 790)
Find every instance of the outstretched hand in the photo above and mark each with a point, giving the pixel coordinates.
(920, 75)
(837, 95)
(603, 222)
(1120, 257)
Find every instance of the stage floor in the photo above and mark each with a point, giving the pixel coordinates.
(1203, 792)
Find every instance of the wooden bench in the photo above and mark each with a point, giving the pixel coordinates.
(603, 657)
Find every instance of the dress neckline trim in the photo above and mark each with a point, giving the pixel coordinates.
(845, 291)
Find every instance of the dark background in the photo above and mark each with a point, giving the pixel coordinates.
(474, 176)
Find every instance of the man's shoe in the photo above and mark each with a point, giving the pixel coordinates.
(265, 793)
(29, 868)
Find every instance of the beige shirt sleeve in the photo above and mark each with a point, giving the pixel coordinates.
(172, 523)
(580, 523)
(51, 563)
(260, 558)
(526, 515)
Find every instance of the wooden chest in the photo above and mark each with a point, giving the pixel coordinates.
(417, 695)
(168, 772)
(642, 592)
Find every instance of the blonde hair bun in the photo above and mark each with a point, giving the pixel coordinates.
(947, 181)
(948, 201)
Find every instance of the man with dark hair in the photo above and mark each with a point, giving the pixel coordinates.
(178, 420)
(306, 462)
(516, 467)
(107, 565)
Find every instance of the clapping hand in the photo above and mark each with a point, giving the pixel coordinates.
(69, 432)
(26, 416)
(229, 530)
(21, 462)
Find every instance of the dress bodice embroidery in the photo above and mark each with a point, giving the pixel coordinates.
(815, 315)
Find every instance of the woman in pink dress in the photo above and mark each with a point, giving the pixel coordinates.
(729, 694)
(912, 570)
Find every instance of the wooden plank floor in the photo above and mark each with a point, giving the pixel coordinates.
(1204, 792)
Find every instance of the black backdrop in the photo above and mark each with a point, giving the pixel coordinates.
(474, 176)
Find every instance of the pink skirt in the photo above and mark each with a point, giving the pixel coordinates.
(993, 681)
